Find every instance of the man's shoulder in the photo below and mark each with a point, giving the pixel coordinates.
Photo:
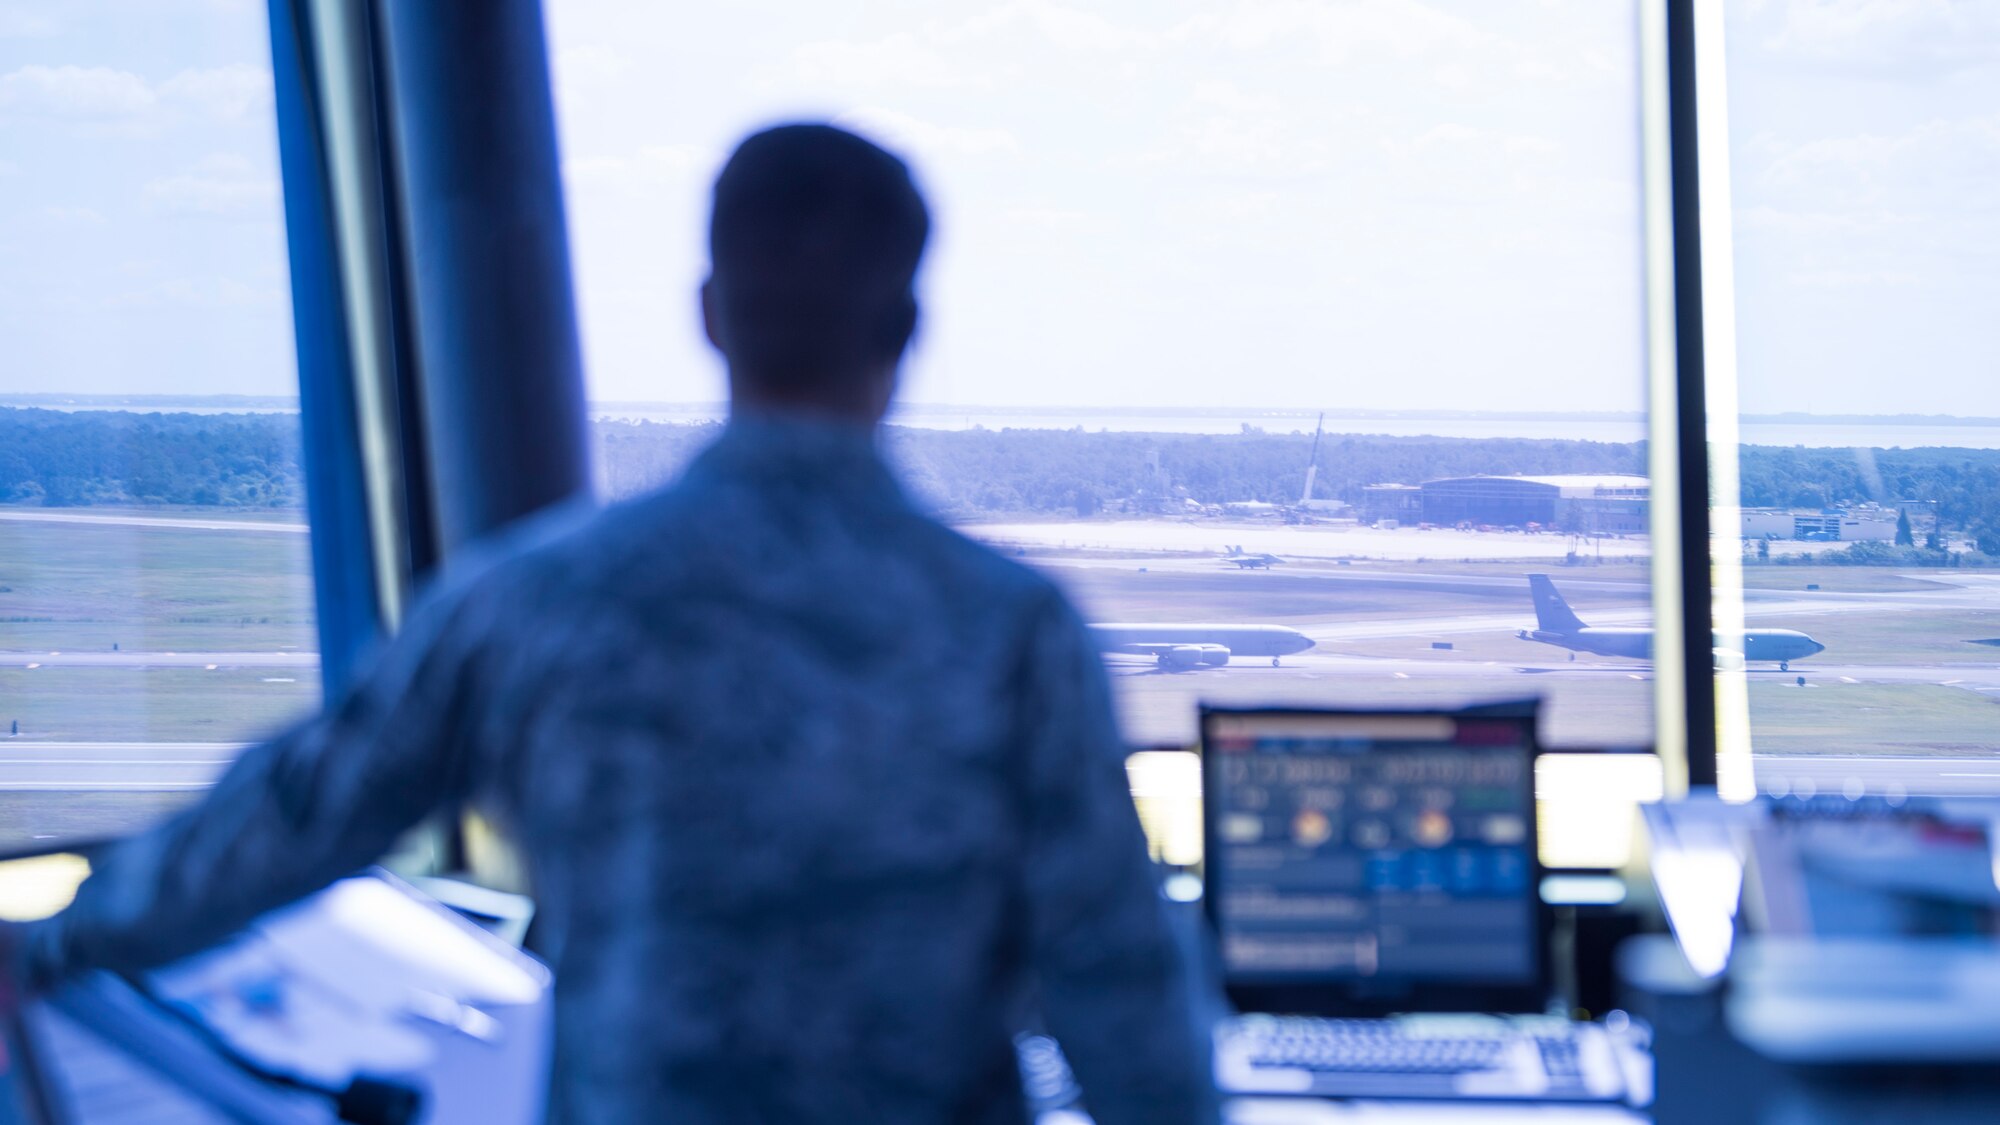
(552, 550)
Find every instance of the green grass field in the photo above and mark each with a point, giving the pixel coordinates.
(28, 819)
(1869, 719)
(153, 704)
(89, 587)
(83, 587)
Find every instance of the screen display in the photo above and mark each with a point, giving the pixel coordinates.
(1359, 847)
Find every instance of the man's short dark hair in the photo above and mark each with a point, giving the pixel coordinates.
(815, 239)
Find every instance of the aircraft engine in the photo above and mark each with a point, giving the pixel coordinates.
(1185, 656)
(1215, 655)
(1728, 660)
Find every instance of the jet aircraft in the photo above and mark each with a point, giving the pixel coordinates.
(1181, 647)
(1557, 624)
(1246, 561)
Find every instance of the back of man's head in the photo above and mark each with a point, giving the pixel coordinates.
(814, 239)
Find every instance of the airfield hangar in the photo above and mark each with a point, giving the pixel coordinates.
(1595, 504)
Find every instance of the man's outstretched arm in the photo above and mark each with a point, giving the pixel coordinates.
(288, 818)
(1117, 991)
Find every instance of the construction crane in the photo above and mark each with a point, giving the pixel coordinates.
(1312, 465)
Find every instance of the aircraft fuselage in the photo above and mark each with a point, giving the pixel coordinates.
(1780, 645)
(1188, 644)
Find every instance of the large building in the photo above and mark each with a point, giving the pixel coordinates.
(1594, 504)
(1403, 503)
(1816, 525)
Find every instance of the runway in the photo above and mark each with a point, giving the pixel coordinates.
(173, 523)
(207, 660)
(1972, 677)
(167, 766)
(1878, 776)
(1196, 579)
(112, 766)
(1323, 541)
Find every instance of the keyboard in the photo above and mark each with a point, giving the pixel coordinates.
(1499, 1057)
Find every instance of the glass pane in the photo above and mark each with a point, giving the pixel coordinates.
(1864, 147)
(1170, 237)
(155, 597)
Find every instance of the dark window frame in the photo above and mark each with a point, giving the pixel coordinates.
(447, 84)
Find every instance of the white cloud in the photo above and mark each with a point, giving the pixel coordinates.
(17, 22)
(648, 167)
(102, 94)
(584, 73)
(221, 187)
(1852, 279)
(77, 92)
(1070, 29)
(229, 92)
(962, 55)
(210, 293)
(1056, 219)
(1940, 165)
(915, 136)
(1228, 96)
(1400, 29)
(901, 59)
(1235, 141)
(1820, 225)
(1451, 136)
(1913, 34)
(73, 216)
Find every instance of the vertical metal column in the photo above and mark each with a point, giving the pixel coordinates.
(1690, 343)
(486, 253)
(346, 593)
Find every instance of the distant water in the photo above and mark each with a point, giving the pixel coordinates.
(1841, 435)
(1888, 434)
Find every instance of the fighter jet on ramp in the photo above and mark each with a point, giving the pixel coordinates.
(1557, 624)
(1247, 561)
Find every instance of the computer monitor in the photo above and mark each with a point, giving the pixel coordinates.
(1369, 862)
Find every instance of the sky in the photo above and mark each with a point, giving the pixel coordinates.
(1361, 204)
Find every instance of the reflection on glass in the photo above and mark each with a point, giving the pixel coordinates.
(1316, 317)
(155, 599)
(1863, 149)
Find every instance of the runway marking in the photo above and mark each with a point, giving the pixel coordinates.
(124, 762)
(104, 786)
(168, 522)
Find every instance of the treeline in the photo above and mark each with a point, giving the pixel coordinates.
(994, 472)
(975, 471)
(63, 459)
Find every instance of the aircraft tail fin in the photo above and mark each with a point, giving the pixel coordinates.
(1552, 613)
